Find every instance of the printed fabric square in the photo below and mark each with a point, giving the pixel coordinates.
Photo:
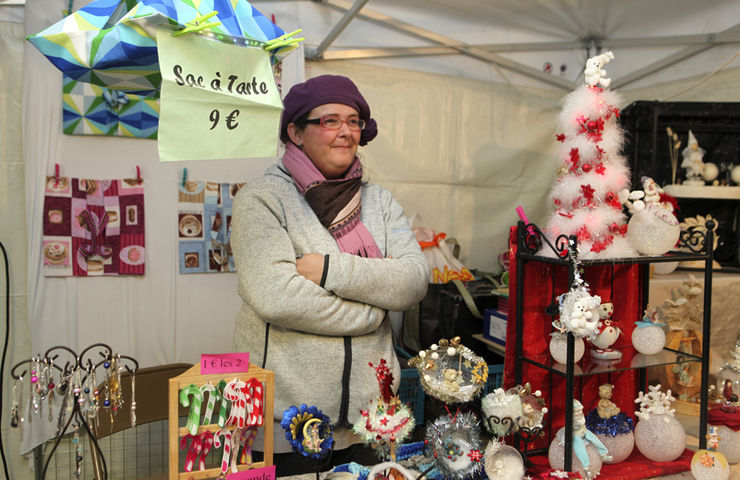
(93, 227)
(204, 226)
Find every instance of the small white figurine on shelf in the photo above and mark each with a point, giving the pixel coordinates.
(605, 336)
(594, 74)
(589, 452)
(659, 436)
(692, 162)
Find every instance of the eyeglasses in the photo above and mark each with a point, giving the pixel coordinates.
(334, 123)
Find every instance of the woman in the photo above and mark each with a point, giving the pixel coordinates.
(322, 257)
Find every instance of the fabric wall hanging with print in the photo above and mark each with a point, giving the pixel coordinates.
(204, 226)
(89, 109)
(93, 227)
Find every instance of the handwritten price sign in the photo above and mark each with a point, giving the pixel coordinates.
(218, 100)
(224, 363)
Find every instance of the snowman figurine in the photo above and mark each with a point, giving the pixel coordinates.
(605, 336)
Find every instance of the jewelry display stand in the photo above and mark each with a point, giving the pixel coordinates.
(176, 433)
(73, 386)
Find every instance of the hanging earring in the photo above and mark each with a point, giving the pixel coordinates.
(33, 400)
(133, 398)
(15, 420)
(50, 386)
(78, 451)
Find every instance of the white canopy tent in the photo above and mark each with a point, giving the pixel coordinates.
(466, 115)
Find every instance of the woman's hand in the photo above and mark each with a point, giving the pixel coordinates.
(311, 266)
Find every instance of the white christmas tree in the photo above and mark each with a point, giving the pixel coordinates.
(592, 172)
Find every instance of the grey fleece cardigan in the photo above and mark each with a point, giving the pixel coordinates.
(318, 341)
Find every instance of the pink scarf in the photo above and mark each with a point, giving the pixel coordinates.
(336, 202)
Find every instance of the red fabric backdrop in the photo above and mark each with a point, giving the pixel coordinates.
(543, 283)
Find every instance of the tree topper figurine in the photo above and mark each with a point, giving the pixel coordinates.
(594, 74)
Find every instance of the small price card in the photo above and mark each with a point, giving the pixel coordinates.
(224, 363)
(264, 473)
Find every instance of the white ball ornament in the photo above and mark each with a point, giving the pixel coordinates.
(423, 354)
(735, 175)
(648, 340)
(620, 446)
(660, 437)
(709, 465)
(451, 351)
(559, 348)
(434, 347)
(502, 462)
(729, 446)
(709, 171)
(556, 456)
(653, 231)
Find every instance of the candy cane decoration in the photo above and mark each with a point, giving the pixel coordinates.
(194, 414)
(236, 440)
(233, 391)
(213, 397)
(193, 451)
(253, 393)
(206, 441)
(224, 404)
(226, 456)
(248, 437)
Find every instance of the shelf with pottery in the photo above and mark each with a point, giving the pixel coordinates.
(703, 191)
(529, 241)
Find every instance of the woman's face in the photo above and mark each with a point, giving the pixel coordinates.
(332, 151)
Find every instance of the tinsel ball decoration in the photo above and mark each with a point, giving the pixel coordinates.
(653, 231)
(454, 443)
(729, 444)
(559, 348)
(556, 456)
(660, 437)
(648, 340)
(620, 446)
(709, 465)
(503, 462)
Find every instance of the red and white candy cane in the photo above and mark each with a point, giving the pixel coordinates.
(226, 456)
(206, 441)
(233, 391)
(253, 393)
(213, 397)
(193, 451)
(248, 437)
(194, 414)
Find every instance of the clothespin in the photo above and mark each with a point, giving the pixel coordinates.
(199, 23)
(520, 211)
(138, 175)
(184, 176)
(56, 175)
(283, 41)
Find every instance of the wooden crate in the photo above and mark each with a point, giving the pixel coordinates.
(176, 433)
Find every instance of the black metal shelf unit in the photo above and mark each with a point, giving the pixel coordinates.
(531, 240)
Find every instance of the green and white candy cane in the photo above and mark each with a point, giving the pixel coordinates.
(224, 408)
(194, 414)
(213, 397)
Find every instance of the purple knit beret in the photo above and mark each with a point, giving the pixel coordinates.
(304, 97)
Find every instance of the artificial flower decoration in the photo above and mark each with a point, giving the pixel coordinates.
(387, 421)
(455, 445)
(308, 430)
(451, 372)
